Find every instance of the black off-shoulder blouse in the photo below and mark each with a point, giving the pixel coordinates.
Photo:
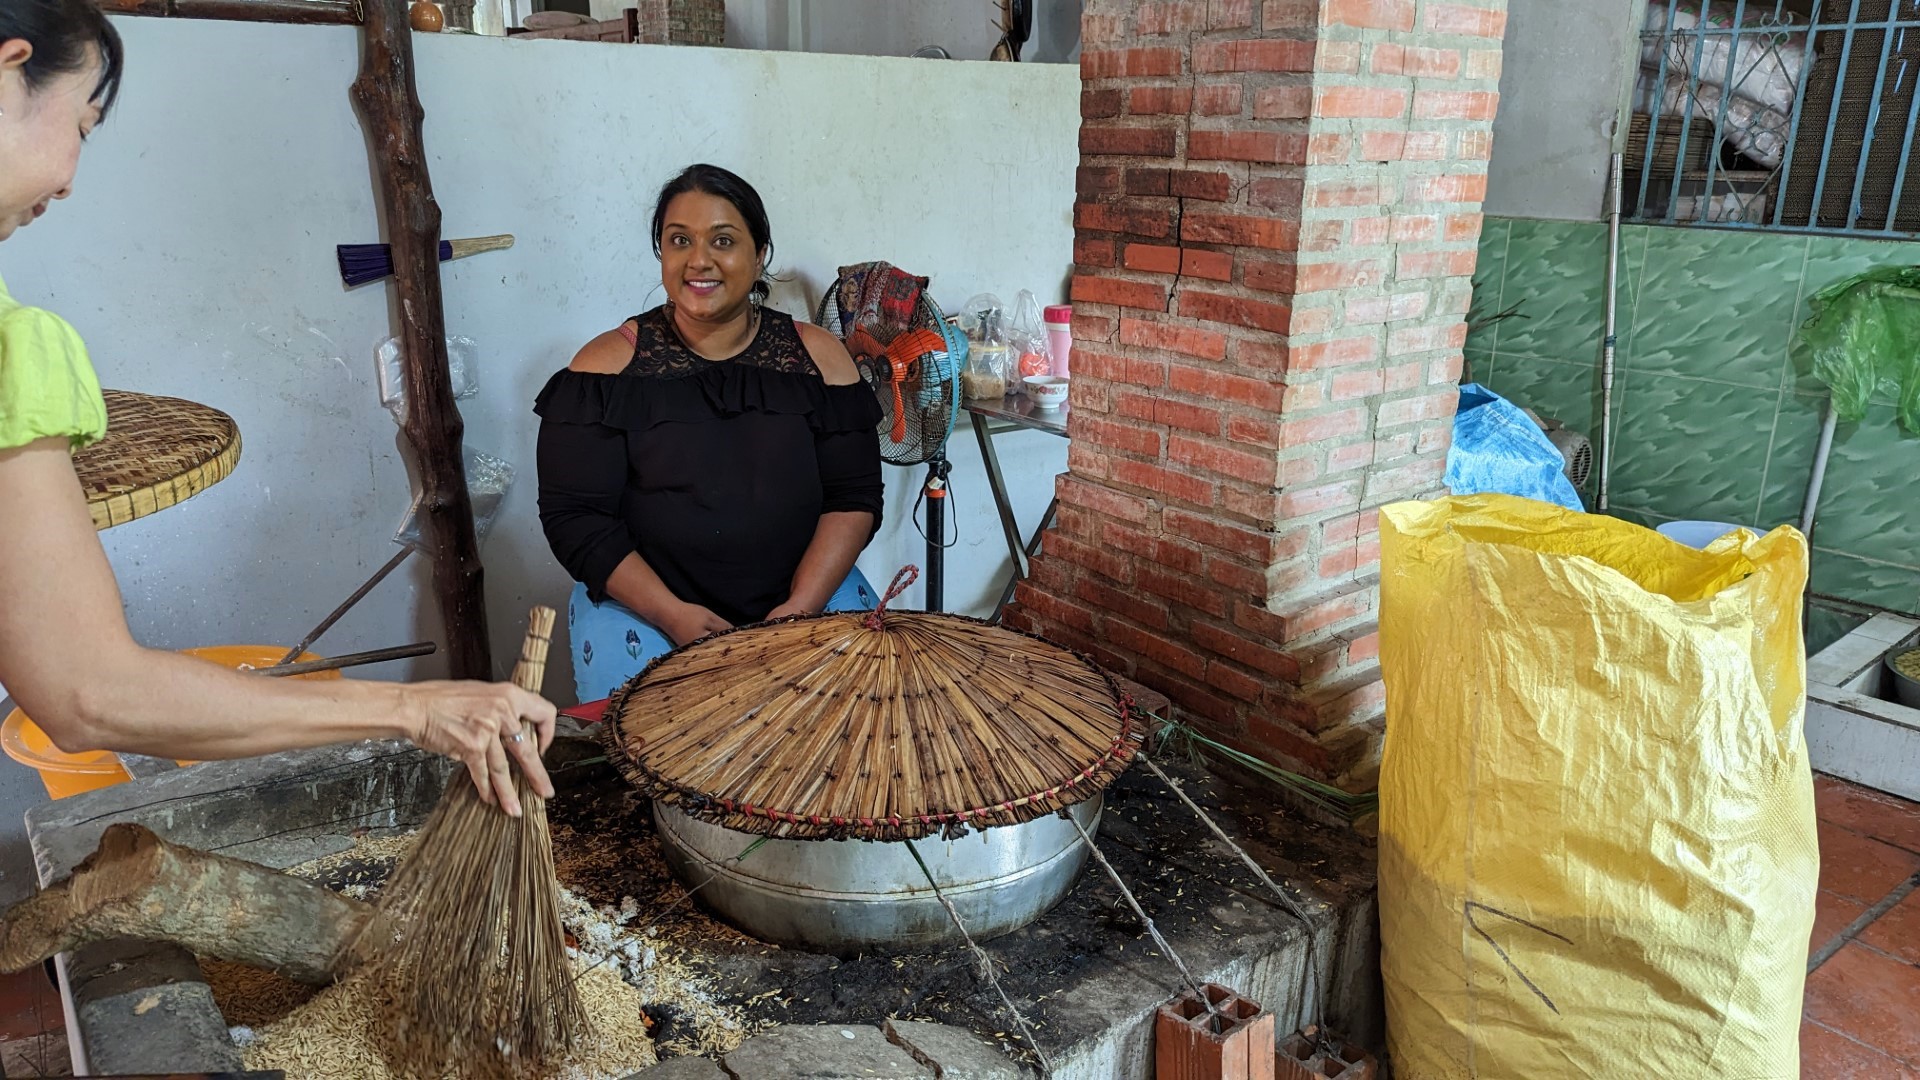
(716, 472)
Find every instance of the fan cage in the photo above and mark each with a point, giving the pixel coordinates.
(928, 368)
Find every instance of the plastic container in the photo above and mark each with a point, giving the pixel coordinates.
(1059, 320)
(1906, 688)
(65, 774)
(1695, 534)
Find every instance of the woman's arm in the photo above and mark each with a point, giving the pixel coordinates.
(850, 482)
(66, 655)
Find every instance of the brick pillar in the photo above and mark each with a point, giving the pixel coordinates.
(1279, 208)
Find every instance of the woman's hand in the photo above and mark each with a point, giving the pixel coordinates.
(478, 724)
(691, 622)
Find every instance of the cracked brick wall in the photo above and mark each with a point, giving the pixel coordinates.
(1277, 221)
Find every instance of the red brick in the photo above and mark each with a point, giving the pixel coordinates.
(1313, 315)
(1181, 589)
(1208, 707)
(1483, 63)
(1298, 470)
(1218, 99)
(1463, 227)
(1306, 430)
(1235, 682)
(1150, 20)
(1477, 22)
(1132, 220)
(1340, 495)
(1152, 100)
(1201, 419)
(1362, 310)
(1211, 265)
(1187, 340)
(1090, 327)
(1127, 539)
(1093, 253)
(1336, 57)
(1091, 180)
(1369, 14)
(1322, 236)
(1085, 461)
(1371, 191)
(1445, 370)
(1419, 63)
(1240, 230)
(1357, 102)
(1254, 54)
(1101, 104)
(1238, 577)
(1269, 276)
(1281, 194)
(1187, 560)
(1147, 181)
(1230, 14)
(1351, 456)
(1106, 563)
(1408, 228)
(1431, 264)
(1220, 386)
(1132, 294)
(1221, 460)
(1265, 355)
(1128, 141)
(1248, 652)
(1103, 500)
(1328, 148)
(1327, 354)
(1455, 104)
(1086, 394)
(1210, 532)
(1325, 276)
(1253, 432)
(1289, 14)
(1192, 184)
(1475, 146)
(1413, 339)
(1318, 613)
(1364, 647)
(1103, 29)
(1338, 563)
(1355, 384)
(1403, 377)
(1435, 438)
(1264, 147)
(1054, 609)
(1164, 481)
(1104, 597)
(1235, 311)
(1129, 63)
(1438, 405)
(1458, 187)
(1152, 258)
(1415, 476)
(1283, 103)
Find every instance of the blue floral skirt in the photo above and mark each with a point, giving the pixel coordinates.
(611, 644)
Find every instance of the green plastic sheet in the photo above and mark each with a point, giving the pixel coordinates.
(1863, 339)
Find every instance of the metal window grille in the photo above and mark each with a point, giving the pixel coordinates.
(1791, 115)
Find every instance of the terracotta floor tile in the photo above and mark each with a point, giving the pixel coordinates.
(1829, 1055)
(1861, 868)
(29, 1005)
(1871, 997)
(1832, 913)
(1869, 812)
(1898, 931)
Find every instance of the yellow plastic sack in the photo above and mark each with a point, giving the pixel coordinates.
(1597, 847)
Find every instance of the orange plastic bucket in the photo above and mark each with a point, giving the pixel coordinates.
(66, 774)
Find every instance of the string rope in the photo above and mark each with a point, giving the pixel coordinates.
(907, 576)
(1141, 914)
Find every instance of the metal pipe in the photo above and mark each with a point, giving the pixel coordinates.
(1820, 453)
(1607, 342)
(359, 594)
(376, 656)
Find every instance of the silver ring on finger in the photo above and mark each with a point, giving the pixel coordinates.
(513, 738)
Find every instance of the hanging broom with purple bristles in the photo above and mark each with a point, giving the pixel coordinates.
(361, 263)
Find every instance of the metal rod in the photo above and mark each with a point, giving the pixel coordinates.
(359, 594)
(1726, 102)
(1793, 138)
(1140, 913)
(1033, 545)
(985, 960)
(1690, 102)
(1607, 342)
(1866, 141)
(1906, 154)
(1821, 451)
(334, 663)
(1001, 501)
(1833, 111)
(937, 471)
(1658, 103)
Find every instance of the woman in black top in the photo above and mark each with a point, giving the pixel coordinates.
(710, 463)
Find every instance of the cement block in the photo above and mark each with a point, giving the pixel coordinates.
(954, 1053)
(825, 1052)
(685, 1068)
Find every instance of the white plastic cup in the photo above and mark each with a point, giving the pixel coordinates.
(1059, 319)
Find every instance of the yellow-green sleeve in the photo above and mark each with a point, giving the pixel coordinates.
(47, 385)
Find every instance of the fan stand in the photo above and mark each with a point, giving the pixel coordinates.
(938, 468)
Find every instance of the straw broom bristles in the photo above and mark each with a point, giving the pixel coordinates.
(479, 975)
(882, 726)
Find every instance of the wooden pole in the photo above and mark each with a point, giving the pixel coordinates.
(389, 105)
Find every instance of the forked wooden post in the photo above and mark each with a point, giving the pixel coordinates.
(389, 105)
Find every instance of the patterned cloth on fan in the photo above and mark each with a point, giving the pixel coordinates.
(878, 302)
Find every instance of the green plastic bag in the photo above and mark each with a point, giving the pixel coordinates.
(1864, 340)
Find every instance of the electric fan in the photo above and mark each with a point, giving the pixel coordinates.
(918, 384)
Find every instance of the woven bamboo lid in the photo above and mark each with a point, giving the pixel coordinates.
(158, 451)
(879, 726)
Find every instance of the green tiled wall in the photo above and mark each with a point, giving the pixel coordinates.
(1711, 417)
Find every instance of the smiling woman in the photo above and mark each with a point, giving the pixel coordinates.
(710, 463)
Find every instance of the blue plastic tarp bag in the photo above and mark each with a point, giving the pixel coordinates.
(1498, 449)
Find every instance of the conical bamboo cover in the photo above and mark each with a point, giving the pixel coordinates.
(881, 726)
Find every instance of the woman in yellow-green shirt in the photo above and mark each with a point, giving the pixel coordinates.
(65, 652)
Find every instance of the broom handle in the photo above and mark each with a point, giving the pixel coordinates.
(531, 669)
(464, 248)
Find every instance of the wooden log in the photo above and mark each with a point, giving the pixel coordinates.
(389, 106)
(136, 885)
(306, 12)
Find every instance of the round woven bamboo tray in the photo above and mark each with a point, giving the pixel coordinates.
(158, 451)
(872, 725)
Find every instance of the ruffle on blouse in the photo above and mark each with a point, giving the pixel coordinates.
(47, 386)
(724, 389)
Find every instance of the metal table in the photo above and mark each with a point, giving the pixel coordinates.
(990, 418)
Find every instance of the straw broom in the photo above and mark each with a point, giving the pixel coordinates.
(479, 978)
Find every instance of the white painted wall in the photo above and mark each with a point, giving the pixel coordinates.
(196, 257)
(897, 27)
